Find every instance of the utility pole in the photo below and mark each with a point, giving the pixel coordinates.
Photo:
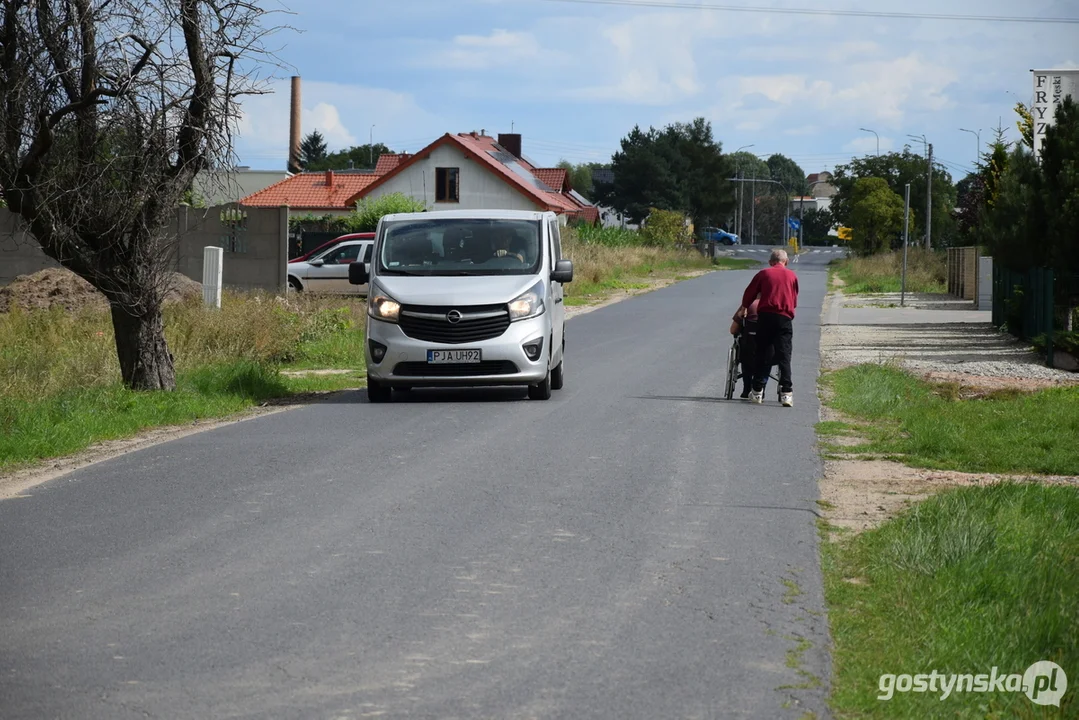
(929, 203)
(753, 210)
(801, 218)
(906, 235)
(738, 215)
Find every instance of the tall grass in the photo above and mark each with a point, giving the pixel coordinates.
(927, 272)
(43, 353)
(969, 580)
(600, 264)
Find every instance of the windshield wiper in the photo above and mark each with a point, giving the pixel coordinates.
(388, 271)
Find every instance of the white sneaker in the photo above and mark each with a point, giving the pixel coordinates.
(756, 397)
(786, 399)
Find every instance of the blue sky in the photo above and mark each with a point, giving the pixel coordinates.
(573, 78)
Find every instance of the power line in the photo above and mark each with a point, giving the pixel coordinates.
(815, 11)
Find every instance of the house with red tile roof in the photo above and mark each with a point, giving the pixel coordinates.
(320, 193)
(474, 171)
(470, 171)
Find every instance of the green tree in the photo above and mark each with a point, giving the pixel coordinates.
(359, 157)
(1025, 123)
(312, 148)
(580, 175)
(1059, 191)
(897, 169)
(876, 217)
(788, 172)
(679, 168)
(815, 227)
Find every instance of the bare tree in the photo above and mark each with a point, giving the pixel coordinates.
(108, 109)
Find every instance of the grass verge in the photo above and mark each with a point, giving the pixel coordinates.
(604, 265)
(927, 272)
(969, 580)
(930, 425)
(59, 388)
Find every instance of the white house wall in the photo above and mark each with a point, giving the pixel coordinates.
(479, 188)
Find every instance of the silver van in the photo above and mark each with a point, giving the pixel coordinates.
(465, 297)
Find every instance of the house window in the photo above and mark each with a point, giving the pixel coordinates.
(447, 188)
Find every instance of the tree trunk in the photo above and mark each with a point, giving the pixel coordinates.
(145, 361)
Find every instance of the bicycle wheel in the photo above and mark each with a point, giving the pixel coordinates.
(732, 370)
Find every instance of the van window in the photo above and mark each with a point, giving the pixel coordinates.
(556, 241)
(460, 246)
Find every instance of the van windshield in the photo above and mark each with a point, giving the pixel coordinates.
(460, 246)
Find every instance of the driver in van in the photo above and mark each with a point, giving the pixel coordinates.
(502, 246)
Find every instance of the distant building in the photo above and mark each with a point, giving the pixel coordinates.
(217, 187)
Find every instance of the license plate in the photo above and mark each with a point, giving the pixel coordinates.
(453, 356)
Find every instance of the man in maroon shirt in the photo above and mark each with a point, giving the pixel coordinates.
(776, 290)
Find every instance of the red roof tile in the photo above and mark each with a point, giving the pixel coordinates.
(554, 178)
(389, 161)
(312, 191)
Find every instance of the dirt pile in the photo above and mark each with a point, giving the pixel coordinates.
(58, 287)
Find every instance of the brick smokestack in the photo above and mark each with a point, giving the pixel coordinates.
(294, 165)
(512, 143)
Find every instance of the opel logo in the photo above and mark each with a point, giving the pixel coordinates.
(453, 317)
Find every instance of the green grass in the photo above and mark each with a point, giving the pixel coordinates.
(71, 421)
(929, 426)
(59, 379)
(926, 273)
(970, 579)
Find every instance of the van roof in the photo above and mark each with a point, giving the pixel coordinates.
(474, 214)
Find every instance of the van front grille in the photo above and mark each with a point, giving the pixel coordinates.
(432, 323)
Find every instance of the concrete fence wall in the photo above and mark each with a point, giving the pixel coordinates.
(255, 241)
(963, 272)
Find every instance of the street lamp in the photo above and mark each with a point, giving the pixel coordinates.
(741, 195)
(786, 203)
(371, 147)
(977, 135)
(875, 135)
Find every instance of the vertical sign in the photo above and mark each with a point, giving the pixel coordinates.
(1050, 89)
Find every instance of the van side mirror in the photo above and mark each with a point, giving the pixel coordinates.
(563, 271)
(357, 273)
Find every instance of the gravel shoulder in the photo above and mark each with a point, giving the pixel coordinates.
(940, 339)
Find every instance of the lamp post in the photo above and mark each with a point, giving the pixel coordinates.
(738, 173)
(786, 200)
(371, 147)
(928, 188)
(977, 135)
(874, 135)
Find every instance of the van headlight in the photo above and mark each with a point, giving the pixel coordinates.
(528, 304)
(382, 307)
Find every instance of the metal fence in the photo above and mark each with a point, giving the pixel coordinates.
(1023, 303)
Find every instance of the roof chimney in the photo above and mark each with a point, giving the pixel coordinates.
(329, 178)
(512, 143)
(294, 165)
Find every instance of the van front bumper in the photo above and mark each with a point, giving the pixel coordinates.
(503, 359)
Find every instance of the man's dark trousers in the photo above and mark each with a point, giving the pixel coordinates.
(774, 332)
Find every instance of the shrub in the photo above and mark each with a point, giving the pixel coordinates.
(666, 228)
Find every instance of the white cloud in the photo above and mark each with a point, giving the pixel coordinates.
(344, 115)
(481, 52)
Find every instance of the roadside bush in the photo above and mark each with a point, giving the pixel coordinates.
(666, 228)
(927, 272)
(608, 236)
(363, 219)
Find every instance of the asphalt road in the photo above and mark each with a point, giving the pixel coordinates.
(637, 547)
